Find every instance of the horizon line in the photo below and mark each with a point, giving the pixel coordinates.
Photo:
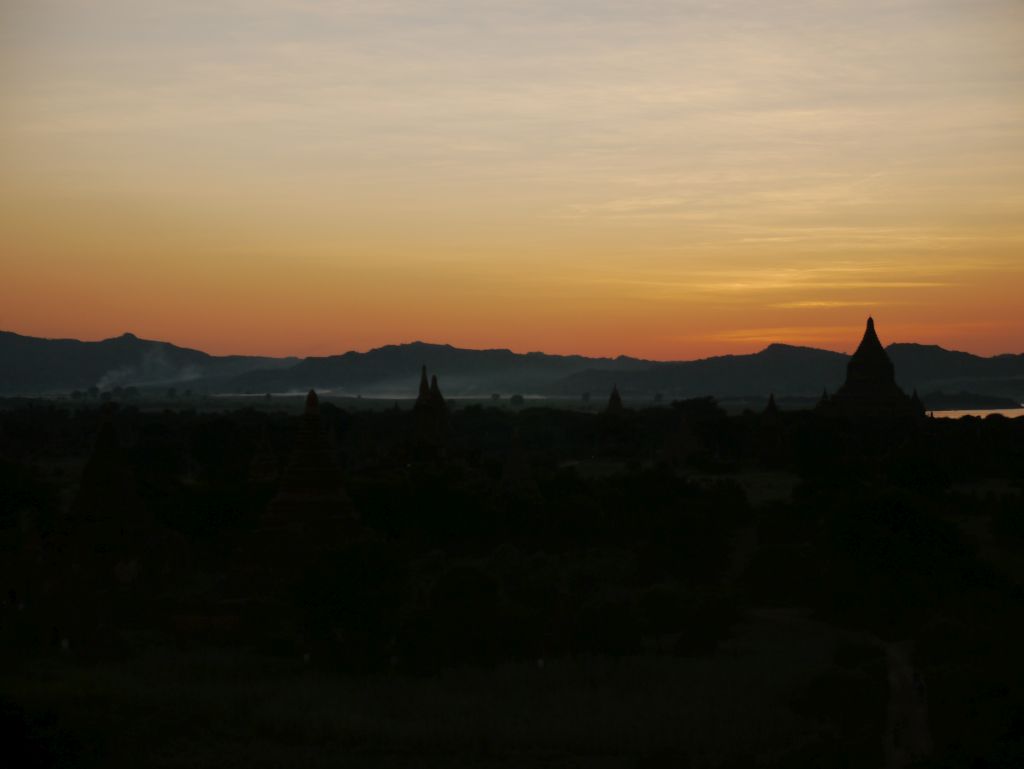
(480, 349)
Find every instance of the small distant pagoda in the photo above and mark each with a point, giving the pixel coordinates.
(870, 389)
(614, 402)
(430, 414)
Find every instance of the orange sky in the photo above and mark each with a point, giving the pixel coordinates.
(665, 180)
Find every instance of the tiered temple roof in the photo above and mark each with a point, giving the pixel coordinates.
(870, 388)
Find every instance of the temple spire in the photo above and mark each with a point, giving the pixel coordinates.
(614, 401)
(424, 386)
(870, 387)
(430, 414)
(312, 404)
(435, 393)
(870, 339)
(870, 363)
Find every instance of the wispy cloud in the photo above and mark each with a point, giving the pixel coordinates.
(818, 304)
(650, 158)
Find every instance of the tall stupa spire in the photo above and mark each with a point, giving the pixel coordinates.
(870, 386)
(435, 394)
(312, 408)
(430, 412)
(614, 401)
(870, 363)
(424, 394)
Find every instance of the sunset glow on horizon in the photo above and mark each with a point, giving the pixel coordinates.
(667, 180)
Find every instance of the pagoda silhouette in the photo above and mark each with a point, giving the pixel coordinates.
(870, 389)
(430, 415)
(615, 405)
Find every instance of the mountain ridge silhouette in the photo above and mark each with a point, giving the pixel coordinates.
(37, 365)
(34, 365)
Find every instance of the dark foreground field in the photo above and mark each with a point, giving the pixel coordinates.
(756, 702)
(493, 587)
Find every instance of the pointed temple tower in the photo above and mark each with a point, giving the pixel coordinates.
(614, 402)
(435, 395)
(430, 414)
(424, 395)
(870, 388)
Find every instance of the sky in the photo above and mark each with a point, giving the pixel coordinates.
(667, 180)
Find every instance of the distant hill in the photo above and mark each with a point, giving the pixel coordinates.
(779, 368)
(30, 365)
(805, 371)
(394, 370)
(930, 368)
